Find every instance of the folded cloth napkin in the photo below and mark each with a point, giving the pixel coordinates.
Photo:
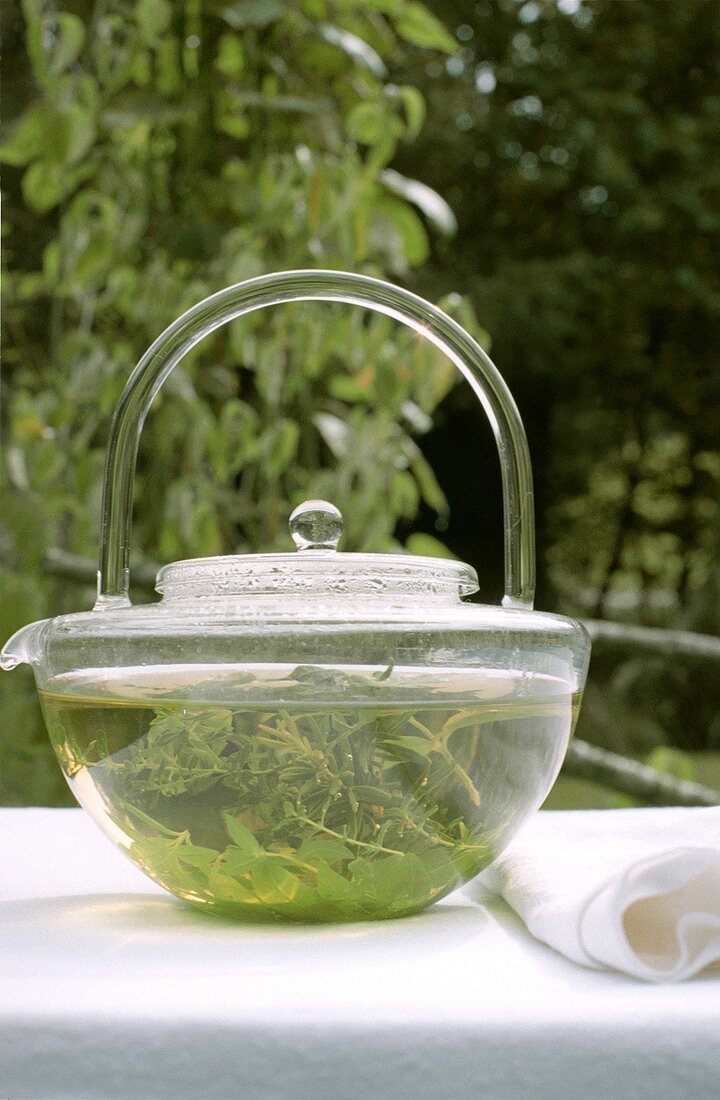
(633, 890)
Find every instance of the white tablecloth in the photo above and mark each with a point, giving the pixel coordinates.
(109, 988)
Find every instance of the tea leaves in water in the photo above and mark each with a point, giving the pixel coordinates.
(263, 802)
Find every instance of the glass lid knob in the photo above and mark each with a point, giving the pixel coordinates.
(316, 525)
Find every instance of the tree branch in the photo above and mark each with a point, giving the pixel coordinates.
(584, 761)
(644, 641)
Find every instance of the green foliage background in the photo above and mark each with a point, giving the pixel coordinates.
(160, 152)
(155, 152)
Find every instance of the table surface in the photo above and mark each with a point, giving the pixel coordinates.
(110, 988)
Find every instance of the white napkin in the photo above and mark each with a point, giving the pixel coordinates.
(633, 890)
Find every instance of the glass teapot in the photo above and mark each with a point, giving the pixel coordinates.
(312, 735)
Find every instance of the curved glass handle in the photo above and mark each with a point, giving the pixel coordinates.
(318, 286)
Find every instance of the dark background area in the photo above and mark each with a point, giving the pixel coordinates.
(578, 144)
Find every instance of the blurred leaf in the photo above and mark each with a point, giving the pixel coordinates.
(415, 110)
(26, 141)
(355, 47)
(416, 417)
(334, 432)
(417, 25)
(252, 13)
(65, 42)
(414, 239)
(139, 105)
(44, 185)
(427, 546)
(153, 17)
(435, 209)
(404, 495)
(230, 60)
(431, 492)
(59, 137)
(367, 123)
(290, 103)
(280, 446)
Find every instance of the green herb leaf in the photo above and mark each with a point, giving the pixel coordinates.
(330, 850)
(334, 887)
(273, 884)
(375, 796)
(241, 835)
(197, 856)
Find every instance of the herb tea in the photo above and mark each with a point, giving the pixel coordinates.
(307, 793)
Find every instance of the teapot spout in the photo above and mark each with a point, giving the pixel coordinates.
(24, 646)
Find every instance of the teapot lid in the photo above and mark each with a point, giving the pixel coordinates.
(317, 569)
